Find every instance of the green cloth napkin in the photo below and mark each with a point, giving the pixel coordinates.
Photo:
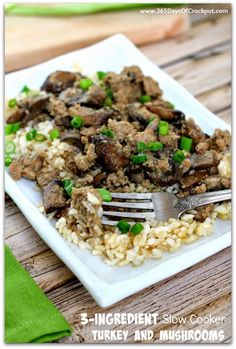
(30, 317)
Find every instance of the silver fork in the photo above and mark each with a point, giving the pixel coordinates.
(160, 206)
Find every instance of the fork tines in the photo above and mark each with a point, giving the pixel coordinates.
(144, 203)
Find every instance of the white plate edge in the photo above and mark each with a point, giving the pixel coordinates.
(105, 294)
(103, 288)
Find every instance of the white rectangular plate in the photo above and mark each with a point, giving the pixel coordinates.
(107, 284)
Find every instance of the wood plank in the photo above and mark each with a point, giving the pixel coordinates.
(48, 270)
(226, 115)
(175, 295)
(203, 17)
(54, 278)
(51, 37)
(202, 75)
(216, 100)
(26, 244)
(15, 221)
(12, 228)
(202, 36)
(42, 263)
(218, 308)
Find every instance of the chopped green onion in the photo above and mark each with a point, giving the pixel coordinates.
(67, 186)
(141, 146)
(11, 128)
(77, 122)
(107, 132)
(155, 146)
(15, 127)
(136, 228)
(25, 89)
(85, 84)
(10, 147)
(139, 159)
(8, 129)
(108, 102)
(54, 134)
(170, 105)
(186, 143)
(12, 103)
(8, 161)
(123, 226)
(40, 137)
(163, 127)
(105, 194)
(152, 118)
(109, 93)
(178, 156)
(31, 135)
(145, 99)
(101, 75)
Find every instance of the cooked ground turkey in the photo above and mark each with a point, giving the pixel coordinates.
(101, 152)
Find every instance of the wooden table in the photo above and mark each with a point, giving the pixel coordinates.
(201, 61)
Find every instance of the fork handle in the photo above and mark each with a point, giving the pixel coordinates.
(191, 202)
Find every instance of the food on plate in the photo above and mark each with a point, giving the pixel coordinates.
(81, 139)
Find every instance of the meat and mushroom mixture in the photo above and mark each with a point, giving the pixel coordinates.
(79, 139)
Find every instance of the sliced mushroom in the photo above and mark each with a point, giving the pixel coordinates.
(161, 179)
(203, 161)
(94, 98)
(67, 95)
(14, 115)
(179, 119)
(90, 116)
(98, 178)
(110, 153)
(137, 113)
(172, 115)
(53, 197)
(164, 113)
(192, 179)
(63, 121)
(72, 138)
(28, 109)
(34, 107)
(136, 175)
(58, 81)
(160, 171)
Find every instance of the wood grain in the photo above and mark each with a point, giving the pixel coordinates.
(67, 34)
(172, 296)
(201, 61)
(204, 74)
(220, 307)
(204, 36)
